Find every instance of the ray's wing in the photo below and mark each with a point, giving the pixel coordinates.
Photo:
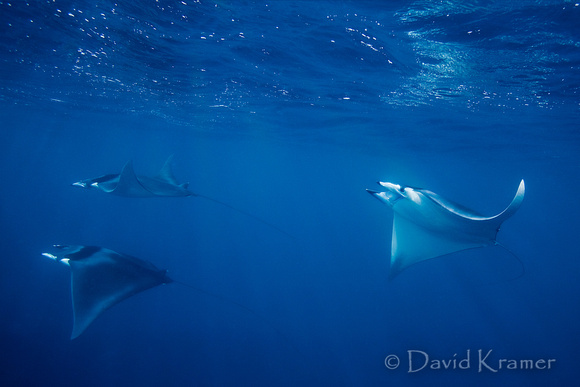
(469, 214)
(166, 173)
(412, 243)
(164, 183)
(105, 278)
(129, 184)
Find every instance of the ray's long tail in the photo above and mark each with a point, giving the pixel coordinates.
(246, 214)
(523, 268)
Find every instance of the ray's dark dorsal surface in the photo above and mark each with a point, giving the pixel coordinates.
(101, 278)
(164, 184)
(128, 184)
(426, 225)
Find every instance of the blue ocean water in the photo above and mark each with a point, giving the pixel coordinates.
(289, 110)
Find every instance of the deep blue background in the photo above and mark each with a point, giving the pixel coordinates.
(289, 111)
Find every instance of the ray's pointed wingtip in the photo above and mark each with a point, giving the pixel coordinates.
(77, 331)
(393, 272)
(166, 278)
(521, 190)
(372, 192)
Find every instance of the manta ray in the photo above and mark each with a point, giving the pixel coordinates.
(128, 184)
(101, 278)
(426, 225)
(164, 184)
